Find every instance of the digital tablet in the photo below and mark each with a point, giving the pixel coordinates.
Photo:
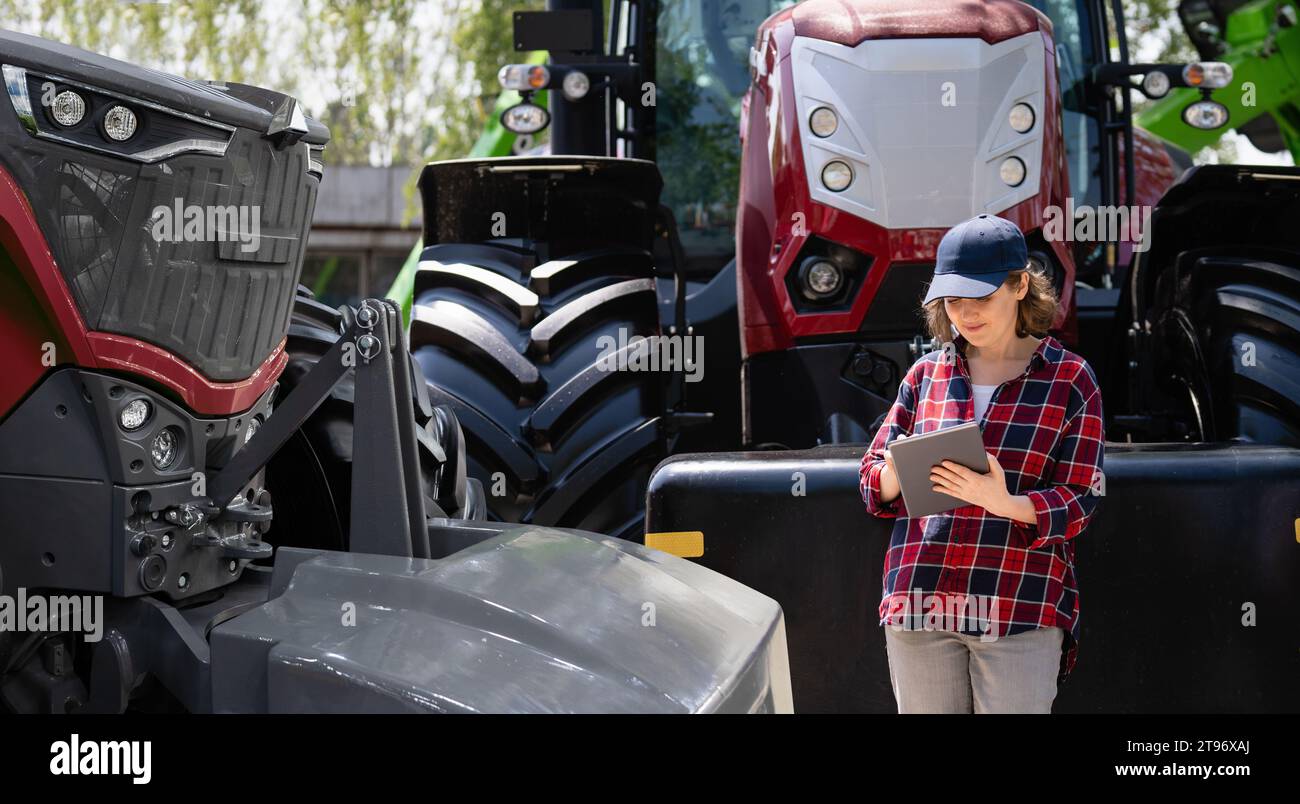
(915, 455)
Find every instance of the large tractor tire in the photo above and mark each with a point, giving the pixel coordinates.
(511, 337)
(1236, 311)
(1218, 298)
(310, 479)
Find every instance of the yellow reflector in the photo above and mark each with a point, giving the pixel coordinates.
(1297, 530)
(690, 543)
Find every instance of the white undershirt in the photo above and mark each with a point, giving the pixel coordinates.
(982, 395)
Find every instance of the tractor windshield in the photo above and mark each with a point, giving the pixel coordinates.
(1076, 54)
(702, 69)
(702, 63)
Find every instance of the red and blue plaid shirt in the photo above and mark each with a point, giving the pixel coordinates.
(1046, 429)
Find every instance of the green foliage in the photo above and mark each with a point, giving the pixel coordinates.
(397, 81)
(481, 43)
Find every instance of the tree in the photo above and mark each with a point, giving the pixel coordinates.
(397, 81)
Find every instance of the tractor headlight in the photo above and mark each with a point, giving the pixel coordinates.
(524, 77)
(821, 279)
(1012, 171)
(837, 175)
(576, 84)
(119, 124)
(1207, 74)
(134, 414)
(164, 448)
(117, 130)
(1021, 117)
(68, 108)
(525, 118)
(1206, 115)
(823, 121)
(1155, 84)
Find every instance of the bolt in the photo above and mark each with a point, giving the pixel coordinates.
(234, 567)
(166, 541)
(183, 581)
(368, 346)
(367, 316)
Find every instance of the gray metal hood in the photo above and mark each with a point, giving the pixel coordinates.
(533, 619)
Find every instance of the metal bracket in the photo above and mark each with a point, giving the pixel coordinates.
(387, 492)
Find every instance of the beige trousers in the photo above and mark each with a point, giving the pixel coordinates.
(949, 672)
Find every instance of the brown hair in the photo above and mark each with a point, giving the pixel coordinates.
(1034, 315)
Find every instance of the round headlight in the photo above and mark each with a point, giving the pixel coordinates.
(837, 175)
(1155, 84)
(525, 118)
(119, 124)
(134, 414)
(823, 121)
(68, 108)
(1012, 171)
(823, 279)
(1021, 117)
(165, 447)
(576, 85)
(1206, 115)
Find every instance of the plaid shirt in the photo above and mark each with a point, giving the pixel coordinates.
(1045, 427)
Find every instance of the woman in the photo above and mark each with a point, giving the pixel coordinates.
(980, 603)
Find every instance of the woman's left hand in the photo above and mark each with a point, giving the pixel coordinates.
(989, 491)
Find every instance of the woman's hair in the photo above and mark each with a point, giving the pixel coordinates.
(1034, 313)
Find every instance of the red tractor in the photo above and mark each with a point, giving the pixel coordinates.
(218, 495)
(866, 136)
(868, 128)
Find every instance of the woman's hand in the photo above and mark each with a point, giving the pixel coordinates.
(989, 491)
(889, 488)
(889, 456)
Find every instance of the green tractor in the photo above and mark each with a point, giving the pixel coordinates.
(1260, 41)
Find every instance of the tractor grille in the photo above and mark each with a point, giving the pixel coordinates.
(217, 295)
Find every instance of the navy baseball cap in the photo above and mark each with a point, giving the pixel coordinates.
(975, 257)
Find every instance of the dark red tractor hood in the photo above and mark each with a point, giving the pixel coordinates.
(851, 22)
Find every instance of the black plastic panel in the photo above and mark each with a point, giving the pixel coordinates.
(76, 490)
(572, 202)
